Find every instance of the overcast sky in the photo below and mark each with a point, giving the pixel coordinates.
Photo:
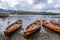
(31, 5)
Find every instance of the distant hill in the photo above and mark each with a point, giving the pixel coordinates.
(2, 10)
(34, 13)
(28, 13)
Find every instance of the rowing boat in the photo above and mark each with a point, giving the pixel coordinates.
(55, 26)
(32, 28)
(13, 27)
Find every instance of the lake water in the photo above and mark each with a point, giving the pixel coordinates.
(42, 34)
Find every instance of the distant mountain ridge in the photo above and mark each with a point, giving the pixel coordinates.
(2, 10)
(27, 12)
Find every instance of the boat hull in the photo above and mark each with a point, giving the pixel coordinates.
(51, 25)
(10, 29)
(28, 33)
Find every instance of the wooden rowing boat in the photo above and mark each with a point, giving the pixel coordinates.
(55, 23)
(13, 27)
(33, 27)
(55, 26)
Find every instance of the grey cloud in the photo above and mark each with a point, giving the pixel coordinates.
(23, 5)
(40, 1)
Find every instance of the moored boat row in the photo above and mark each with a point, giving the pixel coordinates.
(32, 28)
